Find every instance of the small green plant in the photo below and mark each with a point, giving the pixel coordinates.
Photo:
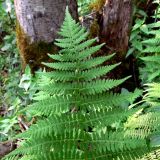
(144, 124)
(79, 116)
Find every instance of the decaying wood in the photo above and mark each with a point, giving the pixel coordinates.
(116, 22)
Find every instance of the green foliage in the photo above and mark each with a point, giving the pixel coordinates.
(145, 45)
(151, 52)
(13, 97)
(138, 33)
(79, 116)
(12, 103)
(83, 6)
(7, 16)
(145, 123)
(9, 71)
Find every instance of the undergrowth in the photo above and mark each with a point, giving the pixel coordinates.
(13, 96)
(145, 45)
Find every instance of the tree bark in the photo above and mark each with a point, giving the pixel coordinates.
(115, 25)
(6, 147)
(37, 24)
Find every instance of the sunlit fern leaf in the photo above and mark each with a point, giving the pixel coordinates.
(153, 90)
(145, 123)
(84, 88)
(68, 155)
(154, 155)
(151, 58)
(56, 105)
(138, 129)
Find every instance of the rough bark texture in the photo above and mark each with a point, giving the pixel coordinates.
(37, 24)
(6, 147)
(115, 27)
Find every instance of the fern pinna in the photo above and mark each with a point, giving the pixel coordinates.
(81, 119)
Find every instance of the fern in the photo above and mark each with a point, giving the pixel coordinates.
(146, 122)
(150, 72)
(80, 117)
(145, 45)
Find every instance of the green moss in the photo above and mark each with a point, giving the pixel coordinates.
(32, 53)
(97, 5)
(94, 29)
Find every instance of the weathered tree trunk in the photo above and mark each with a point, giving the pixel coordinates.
(37, 24)
(116, 23)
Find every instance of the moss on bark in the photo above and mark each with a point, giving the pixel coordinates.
(33, 53)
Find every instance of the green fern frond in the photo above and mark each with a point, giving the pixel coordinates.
(149, 72)
(133, 154)
(84, 88)
(79, 56)
(79, 116)
(137, 128)
(90, 102)
(68, 155)
(153, 90)
(146, 122)
(86, 64)
(87, 75)
(56, 124)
